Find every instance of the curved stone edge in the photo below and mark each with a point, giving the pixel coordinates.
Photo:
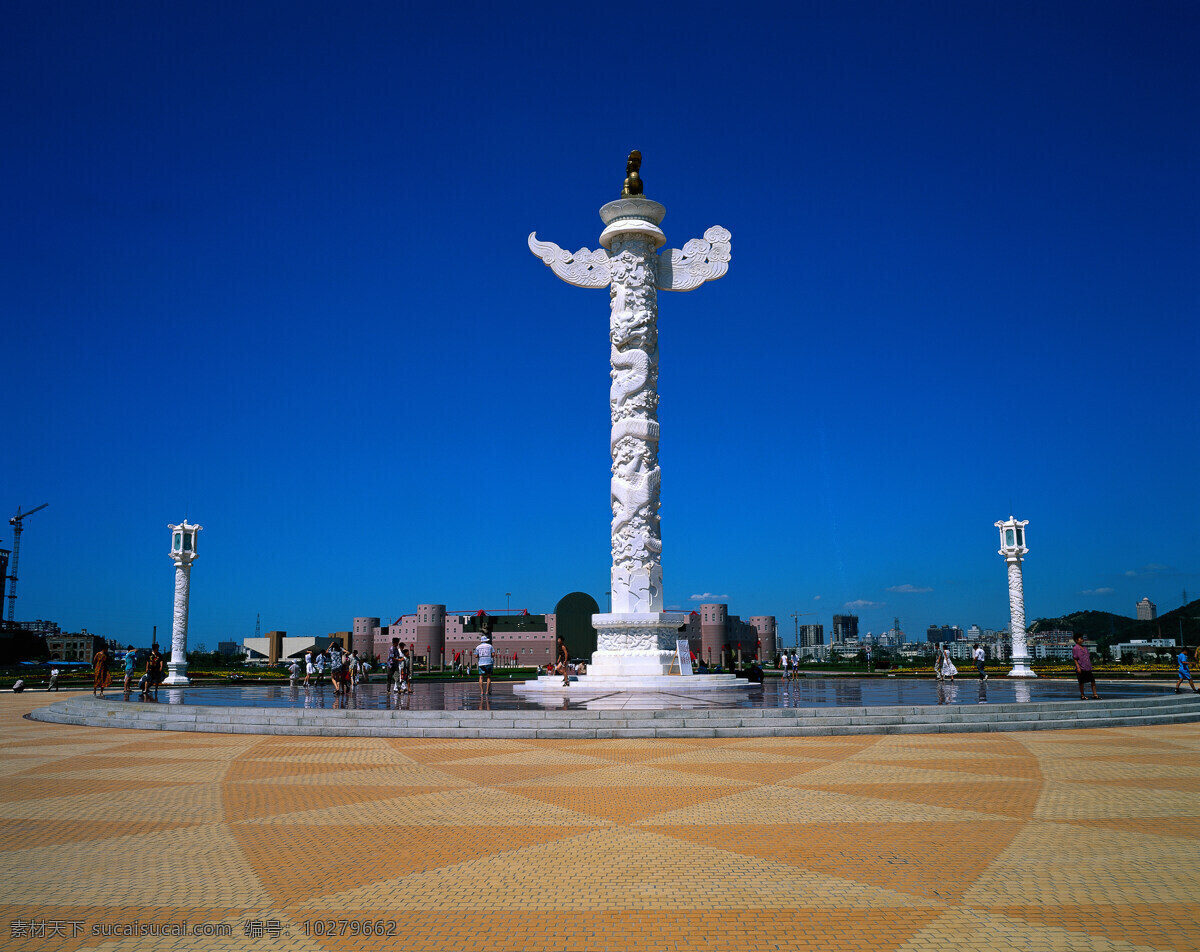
(605, 724)
(661, 684)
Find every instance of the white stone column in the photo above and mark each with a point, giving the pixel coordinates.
(636, 639)
(183, 551)
(1016, 610)
(1013, 548)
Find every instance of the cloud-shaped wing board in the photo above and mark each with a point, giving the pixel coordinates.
(584, 268)
(702, 259)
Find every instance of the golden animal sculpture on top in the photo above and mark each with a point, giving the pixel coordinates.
(633, 181)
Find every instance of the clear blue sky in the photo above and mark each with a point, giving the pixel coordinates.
(264, 265)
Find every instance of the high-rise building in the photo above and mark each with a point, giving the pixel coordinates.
(812, 635)
(944, 635)
(845, 628)
(1146, 610)
(893, 637)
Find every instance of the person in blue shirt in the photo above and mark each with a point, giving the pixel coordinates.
(130, 661)
(1184, 673)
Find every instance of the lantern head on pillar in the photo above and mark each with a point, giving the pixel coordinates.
(1012, 538)
(183, 541)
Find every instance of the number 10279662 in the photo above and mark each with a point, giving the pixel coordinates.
(380, 927)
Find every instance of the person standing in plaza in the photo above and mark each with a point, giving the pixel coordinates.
(320, 663)
(1083, 667)
(980, 657)
(309, 667)
(393, 663)
(1185, 673)
(347, 673)
(784, 660)
(483, 651)
(100, 671)
(130, 661)
(53, 683)
(335, 677)
(948, 669)
(564, 660)
(146, 682)
(408, 658)
(154, 668)
(293, 672)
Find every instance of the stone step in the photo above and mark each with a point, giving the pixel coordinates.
(737, 722)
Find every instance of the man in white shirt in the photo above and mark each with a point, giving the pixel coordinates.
(483, 651)
(979, 656)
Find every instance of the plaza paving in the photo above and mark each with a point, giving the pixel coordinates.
(1086, 839)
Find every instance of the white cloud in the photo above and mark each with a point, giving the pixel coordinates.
(707, 597)
(1151, 568)
(816, 598)
(674, 608)
(910, 589)
(1097, 591)
(863, 603)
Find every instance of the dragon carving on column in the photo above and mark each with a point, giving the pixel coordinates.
(634, 272)
(633, 398)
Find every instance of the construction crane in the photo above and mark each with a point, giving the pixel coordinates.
(17, 523)
(796, 616)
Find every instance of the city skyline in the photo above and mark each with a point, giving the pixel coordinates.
(268, 273)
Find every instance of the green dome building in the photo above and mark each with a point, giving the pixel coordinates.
(573, 623)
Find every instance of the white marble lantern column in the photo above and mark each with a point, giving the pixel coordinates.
(183, 551)
(1012, 547)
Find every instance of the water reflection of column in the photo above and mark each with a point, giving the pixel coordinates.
(1022, 691)
(174, 697)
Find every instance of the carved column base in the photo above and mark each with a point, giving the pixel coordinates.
(1021, 669)
(176, 674)
(635, 645)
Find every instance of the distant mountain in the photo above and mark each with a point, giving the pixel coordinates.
(1105, 628)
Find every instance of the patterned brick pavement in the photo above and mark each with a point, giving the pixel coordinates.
(1064, 840)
